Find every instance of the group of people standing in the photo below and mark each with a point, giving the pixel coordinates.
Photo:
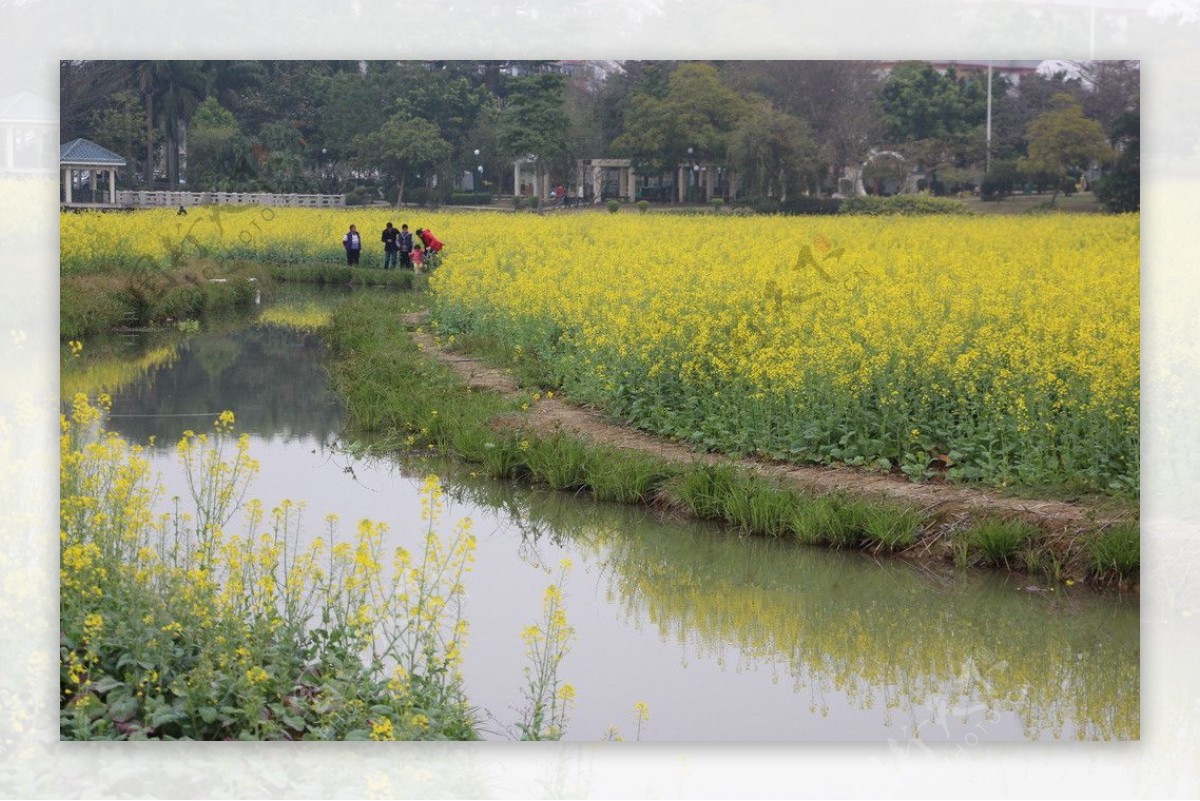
(400, 247)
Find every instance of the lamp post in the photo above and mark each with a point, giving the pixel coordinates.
(987, 156)
(326, 179)
(690, 151)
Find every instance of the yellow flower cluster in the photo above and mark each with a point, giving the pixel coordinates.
(382, 729)
(546, 644)
(227, 588)
(150, 239)
(1011, 341)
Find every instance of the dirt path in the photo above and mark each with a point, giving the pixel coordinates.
(951, 504)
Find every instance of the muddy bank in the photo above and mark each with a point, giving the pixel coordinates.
(1067, 526)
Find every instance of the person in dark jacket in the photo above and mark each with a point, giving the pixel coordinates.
(389, 247)
(404, 243)
(352, 242)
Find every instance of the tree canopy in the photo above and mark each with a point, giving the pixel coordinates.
(784, 127)
(534, 123)
(1063, 141)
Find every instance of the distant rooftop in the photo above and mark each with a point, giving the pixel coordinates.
(25, 107)
(1001, 66)
(85, 152)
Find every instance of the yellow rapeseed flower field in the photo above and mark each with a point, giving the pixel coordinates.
(1002, 349)
(153, 239)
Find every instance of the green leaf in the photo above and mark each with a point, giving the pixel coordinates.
(123, 709)
(294, 723)
(107, 685)
(163, 716)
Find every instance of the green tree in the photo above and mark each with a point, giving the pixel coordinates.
(920, 103)
(281, 158)
(172, 90)
(485, 137)
(1063, 141)
(838, 99)
(452, 101)
(354, 104)
(614, 96)
(775, 152)
(402, 147)
(534, 123)
(218, 152)
(86, 88)
(1120, 190)
(937, 118)
(698, 113)
(118, 126)
(1012, 111)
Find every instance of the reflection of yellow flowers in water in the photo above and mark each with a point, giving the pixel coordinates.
(97, 372)
(304, 317)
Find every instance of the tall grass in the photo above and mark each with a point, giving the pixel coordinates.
(1116, 552)
(997, 542)
(91, 304)
(761, 505)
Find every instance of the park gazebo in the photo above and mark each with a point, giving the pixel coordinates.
(28, 128)
(83, 160)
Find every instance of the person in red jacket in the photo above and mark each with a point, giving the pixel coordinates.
(431, 242)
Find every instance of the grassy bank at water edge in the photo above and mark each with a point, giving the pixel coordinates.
(404, 399)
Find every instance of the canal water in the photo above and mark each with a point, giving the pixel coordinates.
(722, 637)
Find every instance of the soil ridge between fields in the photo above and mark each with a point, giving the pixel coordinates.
(951, 505)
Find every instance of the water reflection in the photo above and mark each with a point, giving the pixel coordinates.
(726, 638)
(164, 382)
(929, 654)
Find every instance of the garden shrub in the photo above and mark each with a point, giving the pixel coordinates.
(907, 205)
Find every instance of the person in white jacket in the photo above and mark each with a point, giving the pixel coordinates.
(352, 242)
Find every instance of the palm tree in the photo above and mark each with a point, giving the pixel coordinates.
(172, 90)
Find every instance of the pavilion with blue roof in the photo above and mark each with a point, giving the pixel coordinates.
(28, 128)
(82, 163)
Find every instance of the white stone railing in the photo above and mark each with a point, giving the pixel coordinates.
(142, 198)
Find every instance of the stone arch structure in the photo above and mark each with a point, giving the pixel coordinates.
(855, 174)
